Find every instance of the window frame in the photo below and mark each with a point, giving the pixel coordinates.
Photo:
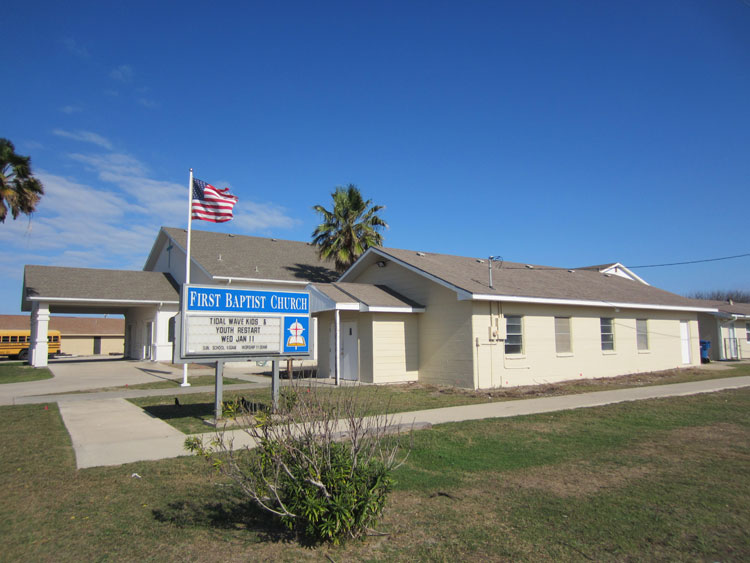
(611, 334)
(560, 335)
(518, 335)
(641, 335)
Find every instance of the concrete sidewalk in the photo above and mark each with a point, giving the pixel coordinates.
(129, 434)
(71, 375)
(115, 431)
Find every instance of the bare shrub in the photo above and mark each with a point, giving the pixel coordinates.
(321, 463)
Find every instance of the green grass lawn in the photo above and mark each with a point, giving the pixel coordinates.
(196, 408)
(656, 480)
(195, 381)
(20, 372)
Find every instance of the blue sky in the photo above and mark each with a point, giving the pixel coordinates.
(548, 132)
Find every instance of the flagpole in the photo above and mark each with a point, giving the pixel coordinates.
(187, 262)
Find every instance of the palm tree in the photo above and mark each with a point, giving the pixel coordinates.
(349, 229)
(19, 190)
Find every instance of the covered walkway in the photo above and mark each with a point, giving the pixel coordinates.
(148, 300)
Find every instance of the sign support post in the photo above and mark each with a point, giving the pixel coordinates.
(218, 404)
(275, 387)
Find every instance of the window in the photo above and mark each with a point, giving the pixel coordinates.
(608, 334)
(6, 338)
(514, 334)
(747, 328)
(641, 330)
(562, 335)
(14, 339)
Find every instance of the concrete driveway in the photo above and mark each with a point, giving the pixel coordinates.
(95, 372)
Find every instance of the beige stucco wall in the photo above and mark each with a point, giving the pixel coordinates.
(84, 345)
(709, 330)
(540, 362)
(395, 345)
(740, 333)
(743, 336)
(445, 353)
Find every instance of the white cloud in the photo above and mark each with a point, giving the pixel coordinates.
(261, 217)
(71, 109)
(84, 136)
(150, 104)
(73, 47)
(112, 224)
(123, 73)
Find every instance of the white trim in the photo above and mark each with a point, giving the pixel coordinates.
(463, 294)
(89, 300)
(369, 309)
(408, 266)
(230, 279)
(585, 303)
(626, 270)
(169, 238)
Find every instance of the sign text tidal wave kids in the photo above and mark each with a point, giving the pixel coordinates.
(230, 300)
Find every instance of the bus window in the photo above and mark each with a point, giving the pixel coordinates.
(6, 339)
(14, 339)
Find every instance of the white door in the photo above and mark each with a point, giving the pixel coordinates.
(148, 342)
(730, 344)
(349, 352)
(685, 339)
(332, 351)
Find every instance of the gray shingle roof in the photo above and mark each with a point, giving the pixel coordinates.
(53, 282)
(239, 256)
(367, 294)
(726, 307)
(519, 280)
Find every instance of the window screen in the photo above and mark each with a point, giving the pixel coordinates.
(514, 334)
(608, 334)
(562, 335)
(641, 329)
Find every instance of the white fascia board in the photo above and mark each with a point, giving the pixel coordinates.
(152, 255)
(89, 300)
(184, 251)
(462, 293)
(356, 264)
(320, 302)
(392, 309)
(231, 279)
(625, 269)
(586, 303)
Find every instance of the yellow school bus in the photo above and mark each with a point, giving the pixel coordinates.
(16, 343)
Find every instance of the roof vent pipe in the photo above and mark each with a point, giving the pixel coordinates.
(489, 265)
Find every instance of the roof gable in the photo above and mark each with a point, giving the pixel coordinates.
(469, 278)
(225, 256)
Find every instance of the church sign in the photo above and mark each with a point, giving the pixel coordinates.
(218, 322)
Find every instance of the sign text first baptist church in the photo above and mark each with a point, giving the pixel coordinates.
(220, 322)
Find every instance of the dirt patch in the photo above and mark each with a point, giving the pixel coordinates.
(579, 479)
(573, 386)
(720, 441)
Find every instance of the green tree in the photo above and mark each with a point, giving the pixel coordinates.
(350, 228)
(19, 190)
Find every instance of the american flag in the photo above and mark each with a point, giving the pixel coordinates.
(211, 204)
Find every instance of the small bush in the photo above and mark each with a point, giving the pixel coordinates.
(319, 463)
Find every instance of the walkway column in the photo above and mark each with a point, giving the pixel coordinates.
(337, 361)
(38, 348)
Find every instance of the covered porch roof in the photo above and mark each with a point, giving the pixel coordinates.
(361, 297)
(96, 291)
